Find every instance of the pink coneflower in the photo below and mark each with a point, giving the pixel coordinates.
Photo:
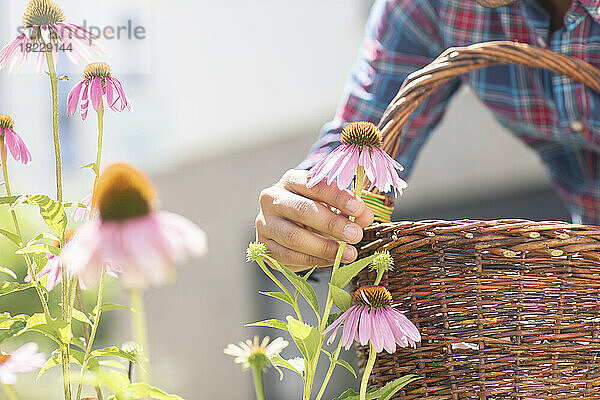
(12, 141)
(361, 145)
(98, 84)
(131, 233)
(46, 29)
(83, 214)
(53, 268)
(373, 319)
(23, 360)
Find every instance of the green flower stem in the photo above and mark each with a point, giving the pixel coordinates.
(86, 330)
(308, 384)
(54, 84)
(268, 272)
(139, 333)
(336, 355)
(13, 213)
(368, 369)
(358, 186)
(90, 342)
(11, 393)
(98, 156)
(379, 277)
(258, 384)
(59, 198)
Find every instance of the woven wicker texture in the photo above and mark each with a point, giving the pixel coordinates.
(508, 309)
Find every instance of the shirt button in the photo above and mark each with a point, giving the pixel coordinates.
(541, 41)
(576, 125)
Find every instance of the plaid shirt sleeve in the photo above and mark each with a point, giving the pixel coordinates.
(575, 173)
(401, 37)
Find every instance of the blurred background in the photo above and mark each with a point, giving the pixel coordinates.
(228, 95)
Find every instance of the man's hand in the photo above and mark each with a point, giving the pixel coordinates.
(299, 228)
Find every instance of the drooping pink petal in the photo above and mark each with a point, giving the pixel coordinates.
(123, 97)
(364, 327)
(17, 146)
(96, 92)
(348, 170)
(324, 167)
(351, 327)
(73, 98)
(85, 102)
(411, 331)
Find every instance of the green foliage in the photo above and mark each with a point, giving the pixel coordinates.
(12, 287)
(56, 359)
(305, 289)
(51, 211)
(344, 275)
(39, 249)
(278, 362)
(384, 393)
(11, 236)
(271, 323)
(307, 338)
(343, 363)
(55, 329)
(341, 298)
(137, 391)
(116, 352)
(280, 296)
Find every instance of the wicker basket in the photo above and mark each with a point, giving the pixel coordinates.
(508, 309)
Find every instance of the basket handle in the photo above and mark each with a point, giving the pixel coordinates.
(458, 60)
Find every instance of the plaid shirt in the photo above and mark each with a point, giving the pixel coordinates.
(555, 116)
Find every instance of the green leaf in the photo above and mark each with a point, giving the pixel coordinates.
(56, 329)
(79, 205)
(114, 380)
(341, 298)
(11, 326)
(391, 388)
(280, 296)
(113, 364)
(56, 359)
(137, 391)
(344, 275)
(8, 272)
(12, 287)
(11, 236)
(8, 200)
(305, 289)
(115, 352)
(39, 249)
(52, 212)
(277, 362)
(384, 393)
(79, 316)
(111, 306)
(307, 338)
(346, 365)
(43, 235)
(92, 166)
(271, 323)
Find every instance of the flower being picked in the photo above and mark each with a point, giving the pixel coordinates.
(132, 233)
(98, 86)
(12, 141)
(256, 354)
(373, 319)
(23, 360)
(46, 29)
(361, 145)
